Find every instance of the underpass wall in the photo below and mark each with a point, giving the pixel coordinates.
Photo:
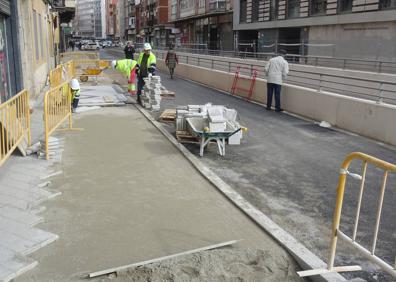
(366, 118)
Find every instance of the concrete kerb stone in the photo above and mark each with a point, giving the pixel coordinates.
(304, 257)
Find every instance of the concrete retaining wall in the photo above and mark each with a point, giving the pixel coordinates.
(356, 115)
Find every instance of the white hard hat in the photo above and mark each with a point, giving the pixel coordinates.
(74, 84)
(147, 46)
(113, 64)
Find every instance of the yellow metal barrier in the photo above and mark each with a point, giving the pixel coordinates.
(14, 124)
(69, 70)
(56, 76)
(337, 233)
(57, 109)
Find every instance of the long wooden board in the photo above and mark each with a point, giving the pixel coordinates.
(119, 268)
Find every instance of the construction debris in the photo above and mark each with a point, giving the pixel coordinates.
(120, 268)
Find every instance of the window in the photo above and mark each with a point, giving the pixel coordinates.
(318, 7)
(293, 8)
(274, 9)
(255, 10)
(387, 4)
(243, 11)
(345, 6)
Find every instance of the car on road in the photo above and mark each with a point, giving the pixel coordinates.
(91, 46)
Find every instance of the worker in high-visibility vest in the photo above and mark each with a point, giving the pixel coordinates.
(128, 68)
(75, 91)
(147, 66)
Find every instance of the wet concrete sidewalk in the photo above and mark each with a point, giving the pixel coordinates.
(128, 195)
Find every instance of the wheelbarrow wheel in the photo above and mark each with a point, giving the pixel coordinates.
(84, 78)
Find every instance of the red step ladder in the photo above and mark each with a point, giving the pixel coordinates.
(237, 77)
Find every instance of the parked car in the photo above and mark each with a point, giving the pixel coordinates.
(92, 46)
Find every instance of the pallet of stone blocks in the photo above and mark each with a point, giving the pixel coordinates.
(168, 115)
(153, 91)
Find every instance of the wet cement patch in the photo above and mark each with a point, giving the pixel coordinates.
(226, 265)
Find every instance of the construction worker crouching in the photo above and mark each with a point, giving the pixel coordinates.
(128, 68)
(147, 64)
(75, 90)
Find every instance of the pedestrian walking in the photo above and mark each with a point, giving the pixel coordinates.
(128, 68)
(71, 45)
(129, 50)
(276, 69)
(171, 60)
(147, 64)
(75, 90)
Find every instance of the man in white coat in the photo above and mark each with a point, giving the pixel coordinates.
(277, 69)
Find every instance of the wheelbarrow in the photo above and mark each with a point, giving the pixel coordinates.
(199, 127)
(94, 71)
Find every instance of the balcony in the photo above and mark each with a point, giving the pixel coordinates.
(64, 4)
(65, 8)
(217, 6)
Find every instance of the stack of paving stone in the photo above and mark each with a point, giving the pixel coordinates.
(151, 97)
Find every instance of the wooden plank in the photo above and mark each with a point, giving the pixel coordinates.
(119, 268)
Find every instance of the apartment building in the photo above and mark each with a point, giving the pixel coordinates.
(112, 30)
(88, 21)
(130, 20)
(153, 22)
(202, 23)
(363, 29)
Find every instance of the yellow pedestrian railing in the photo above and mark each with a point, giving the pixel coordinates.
(56, 76)
(69, 70)
(57, 109)
(14, 124)
(337, 233)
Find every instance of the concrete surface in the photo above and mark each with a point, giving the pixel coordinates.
(125, 199)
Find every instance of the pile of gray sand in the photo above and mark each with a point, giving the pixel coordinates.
(231, 265)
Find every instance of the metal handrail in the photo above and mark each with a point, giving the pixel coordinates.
(313, 79)
(379, 66)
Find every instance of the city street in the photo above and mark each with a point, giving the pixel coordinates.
(288, 168)
(261, 146)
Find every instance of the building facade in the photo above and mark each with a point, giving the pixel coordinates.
(130, 19)
(364, 29)
(88, 19)
(111, 20)
(202, 23)
(36, 43)
(10, 69)
(153, 22)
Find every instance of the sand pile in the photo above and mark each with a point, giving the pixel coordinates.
(216, 265)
